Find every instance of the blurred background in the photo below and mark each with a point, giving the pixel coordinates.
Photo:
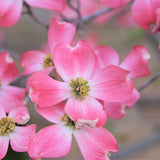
(138, 133)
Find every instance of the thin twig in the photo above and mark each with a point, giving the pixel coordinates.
(146, 84)
(30, 12)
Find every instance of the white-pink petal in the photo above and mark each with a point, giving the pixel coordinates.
(32, 61)
(52, 141)
(111, 84)
(60, 32)
(53, 113)
(19, 139)
(72, 62)
(137, 62)
(20, 115)
(4, 143)
(87, 109)
(45, 91)
(2, 112)
(95, 143)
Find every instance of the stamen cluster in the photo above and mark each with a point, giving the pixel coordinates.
(80, 88)
(7, 126)
(68, 121)
(47, 62)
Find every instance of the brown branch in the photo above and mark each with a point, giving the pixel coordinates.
(30, 13)
(146, 84)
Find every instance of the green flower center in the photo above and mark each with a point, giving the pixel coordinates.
(47, 62)
(80, 88)
(7, 125)
(68, 121)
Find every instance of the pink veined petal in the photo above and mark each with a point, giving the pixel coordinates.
(72, 62)
(11, 97)
(19, 139)
(95, 143)
(143, 12)
(4, 142)
(88, 109)
(53, 113)
(45, 91)
(106, 56)
(11, 14)
(20, 115)
(2, 112)
(115, 3)
(52, 141)
(137, 62)
(32, 61)
(8, 69)
(60, 32)
(111, 84)
(47, 4)
(118, 110)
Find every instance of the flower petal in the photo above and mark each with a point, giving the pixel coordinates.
(32, 61)
(4, 142)
(2, 112)
(11, 97)
(10, 14)
(47, 4)
(53, 113)
(20, 138)
(20, 115)
(87, 109)
(137, 62)
(106, 56)
(117, 110)
(8, 69)
(60, 32)
(45, 91)
(115, 3)
(52, 141)
(95, 143)
(111, 84)
(72, 62)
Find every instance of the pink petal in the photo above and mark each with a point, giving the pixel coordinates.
(53, 113)
(10, 14)
(20, 138)
(4, 142)
(20, 115)
(8, 69)
(45, 91)
(137, 62)
(47, 4)
(11, 97)
(52, 141)
(111, 84)
(2, 112)
(87, 109)
(60, 32)
(115, 3)
(95, 143)
(32, 61)
(106, 56)
(118, 110)
(72, 62)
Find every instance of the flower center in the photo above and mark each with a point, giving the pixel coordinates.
(7, 125)
(47, 62)
(80, 88)
(68, 121)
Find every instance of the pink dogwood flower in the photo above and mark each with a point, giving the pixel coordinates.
(10, 10)
(55, 140)
(115, 3)
(83, 89)
(136, 62)
(147, 12)
(34, 60)
(10, 96)
(9, 131)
